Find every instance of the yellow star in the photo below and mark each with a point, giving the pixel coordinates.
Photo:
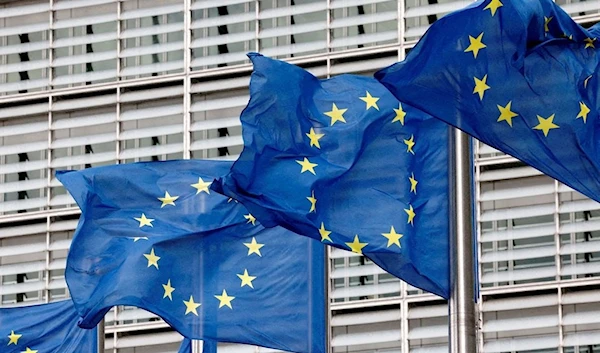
(370, 100)
(168, 290)
(400, 114)
(585, 82)
(589, 42)
(247, 279)
(411, 214)
(190, 306)
(413, 183)
(475, 45)
(254, 247)
(250, 218)
(480, 86)
(29, 350)
(546, 22)
(144, 221)
(168, 199)
(201, 185)
(410, 143)
(356, 246)
(506, 114)
(583, 112)
(135, 239)
(152, 259)
(546, 124)
(336, 114)
(307, 166)
(313, 202)
(570, 37)
(324, 233)
(393, 237)
(314, 138)
(224, 300)
(493, 6)
(13, 338)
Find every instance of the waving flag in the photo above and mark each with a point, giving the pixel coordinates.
(45, 328)
(342, 161)
(153, 235)
(519, 75)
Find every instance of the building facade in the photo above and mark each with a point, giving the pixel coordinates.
(94, 82)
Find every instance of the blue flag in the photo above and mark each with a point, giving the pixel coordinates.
(342, 161)
(153, 235)
(519, 75)
(207, 346)
(45, 328)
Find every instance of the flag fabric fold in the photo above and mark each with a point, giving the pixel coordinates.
(342, 161)
(153, 235)
(519, 75)
(45, 328)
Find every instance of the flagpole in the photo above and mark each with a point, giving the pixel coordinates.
(462, 328)
(100, 343)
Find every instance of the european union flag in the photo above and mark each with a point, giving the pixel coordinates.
(519, 75)
(342, 161)
(153, 235)
(45, 328)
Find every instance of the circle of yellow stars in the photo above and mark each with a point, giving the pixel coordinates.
(315, 136)
(152, 258)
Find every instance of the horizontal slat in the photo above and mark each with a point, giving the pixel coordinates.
(25, 204)
(509, 173)
(83, 121)
(151, 151)
(29, 28)
(152, 68)
(23, 129)
(519, 275)
(33, 286)
(223, 20)
(217, 143)
(84, 103)
(588, 296)
(517, 324)
(580, 269)
(295, 48)
(520, 344)
(356, 271)
(293, 10)
(23, 47)
(74, 4)
(209, 4)
(83, 159)
(366, 290)
(423, 312)
(83, 21)
(23, 85)
(534, 231)
(15, 11)
(151, 11)
(222, 39)
(211, 124)
(580, 248)
(86, 77)
(219, 59)
(23, 167)
(85, 58)
(519, 303)
(152, 49)
(84, 140)
(364, 19)
(364, 39)
(23, 66)
(518, 254)
(518, 192)
(149, 113)
(86, 39)
(150, 31)
(354, 339)
(419, 333)
(517, 212)
(152, 94)
(23, 148)
(151, 131)
(293, 29)
(370, 317)
(435, 9)
(584, 338)
(222, 103)
(23, 185)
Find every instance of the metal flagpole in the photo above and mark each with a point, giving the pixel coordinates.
(462, 328)
(100, 343)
